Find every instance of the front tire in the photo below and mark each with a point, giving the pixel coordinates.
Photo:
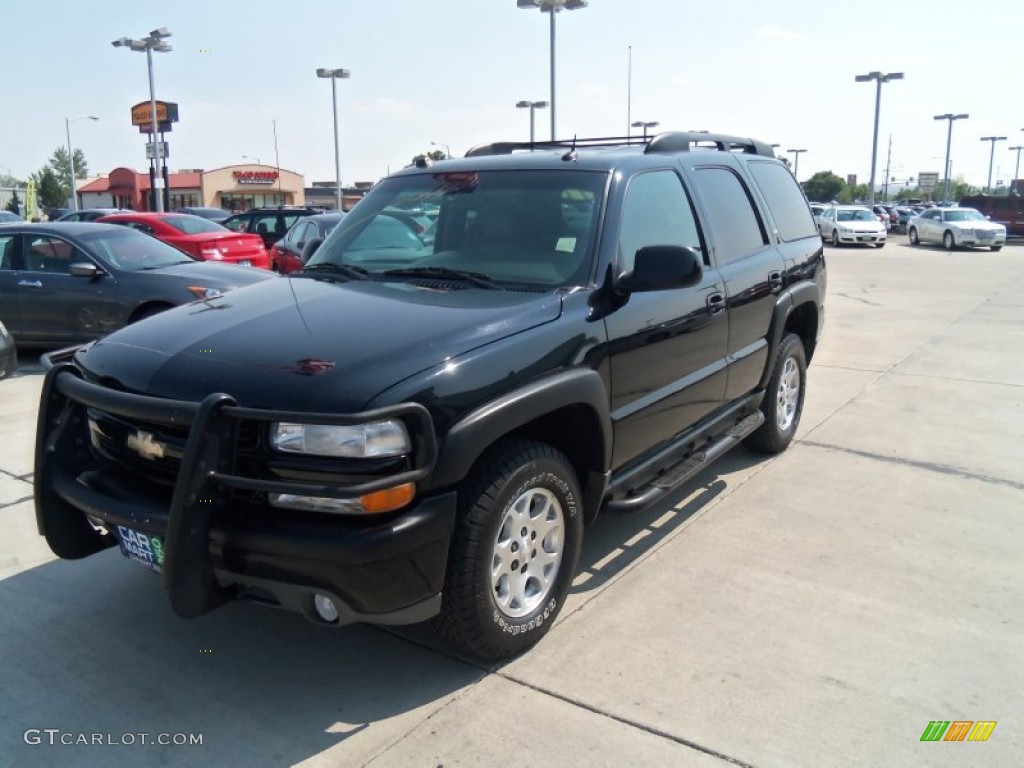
(996, 248)
(948, 241)
(514, 550)
(835, 239)
(912, 234)
(783, 400)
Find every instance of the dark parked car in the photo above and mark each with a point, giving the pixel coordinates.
(271, 224)
(1007, 210)
(394, 435)
(62, 283)
(8, 353)
(91, 214)
(213, 214)
(288, 253)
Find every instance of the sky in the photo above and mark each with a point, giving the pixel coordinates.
(429, 74)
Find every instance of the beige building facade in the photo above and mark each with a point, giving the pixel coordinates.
(242, 187)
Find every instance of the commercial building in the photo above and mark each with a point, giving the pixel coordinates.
(233, 187)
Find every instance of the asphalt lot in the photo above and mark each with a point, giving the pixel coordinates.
(816, 609)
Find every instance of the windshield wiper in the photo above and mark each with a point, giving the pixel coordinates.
(346, 270)
(478, 279)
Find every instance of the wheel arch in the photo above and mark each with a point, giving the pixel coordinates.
(147, 309)
(797, 312)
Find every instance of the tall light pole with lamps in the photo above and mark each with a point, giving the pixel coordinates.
(1016, 171)
(796, 161)
(879, 78)
(991, 157)
(531, 105)
(949, 140)
(645, 124)
(335, 75)
(154, 41)
(552, 7)
(71, 155)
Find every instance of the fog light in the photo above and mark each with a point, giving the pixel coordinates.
(325, 608)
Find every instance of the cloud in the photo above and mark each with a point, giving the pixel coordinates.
(773, 32)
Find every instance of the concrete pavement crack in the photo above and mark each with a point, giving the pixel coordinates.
(930, 466)
(16, 501)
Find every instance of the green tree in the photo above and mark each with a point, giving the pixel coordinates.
(49, 190)
(852, 194)
(823, 186)
(59, 163)
(437, 154)
(14, 204)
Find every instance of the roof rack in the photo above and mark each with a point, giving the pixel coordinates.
(670, 141)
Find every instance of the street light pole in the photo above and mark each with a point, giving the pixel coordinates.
(532, 105)
(552, 7)
(949, 140)
(447, 149)
(71, 156)
(645, 124)
(152, 42)
(334, 74)
(991, 157)
(796, 162)
(1016, 171)
(879, 78)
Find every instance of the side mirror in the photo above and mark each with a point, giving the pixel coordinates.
(85, 269)
(660, 268)
(310, 248)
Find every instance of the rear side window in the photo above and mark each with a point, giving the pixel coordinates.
(734, 222)
(784, 200)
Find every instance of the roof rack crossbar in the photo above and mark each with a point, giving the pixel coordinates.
(671, 141)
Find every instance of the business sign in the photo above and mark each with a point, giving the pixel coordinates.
(254, 177)
(927, 181)
(166, 112)
(851, 179)
(31, 205)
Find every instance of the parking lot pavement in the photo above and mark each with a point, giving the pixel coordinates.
(816, 609)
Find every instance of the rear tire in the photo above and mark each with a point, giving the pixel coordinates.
(783, 399)
(520, 508)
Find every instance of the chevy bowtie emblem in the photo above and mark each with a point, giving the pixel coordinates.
(144, 445)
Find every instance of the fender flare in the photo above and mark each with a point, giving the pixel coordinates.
(486, 424)
(789, 300)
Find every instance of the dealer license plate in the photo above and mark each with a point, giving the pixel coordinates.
(142, 548)
(245, 262)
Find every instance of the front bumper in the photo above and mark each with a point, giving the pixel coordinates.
(221, 540)
(862, 237)
(982, 238)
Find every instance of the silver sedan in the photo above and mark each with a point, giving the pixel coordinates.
(851, 224)
(955, 227)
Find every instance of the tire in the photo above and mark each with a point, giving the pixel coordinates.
(835, 239)
(996, 248)
(149, 311)
(783, 400)
(521, 497)
(912, 234)
(880, 245)
(948, 241)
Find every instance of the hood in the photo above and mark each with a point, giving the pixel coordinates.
(306, 344)
(213, 275)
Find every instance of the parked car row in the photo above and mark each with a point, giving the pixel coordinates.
(953, 227)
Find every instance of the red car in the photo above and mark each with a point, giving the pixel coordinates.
(198, 237)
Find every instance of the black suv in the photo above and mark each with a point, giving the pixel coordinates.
(269, 223)
(407, 430)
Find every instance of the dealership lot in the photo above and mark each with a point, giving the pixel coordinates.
(817, 609)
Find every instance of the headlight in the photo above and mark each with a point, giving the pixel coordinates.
(376, 439)
(202, 292)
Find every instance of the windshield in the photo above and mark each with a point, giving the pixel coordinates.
(859, 214)
(964, 214)
(131, 250)
(193, 225)
(518, 229)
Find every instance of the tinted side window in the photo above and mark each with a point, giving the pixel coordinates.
(734, 223)
(656, 211)
(785, 200)
(49, 254)
(7, 244)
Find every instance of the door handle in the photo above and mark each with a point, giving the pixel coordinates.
(716, 303)
(775, 280)
(31, 283)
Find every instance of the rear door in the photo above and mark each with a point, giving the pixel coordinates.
(750, 265)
